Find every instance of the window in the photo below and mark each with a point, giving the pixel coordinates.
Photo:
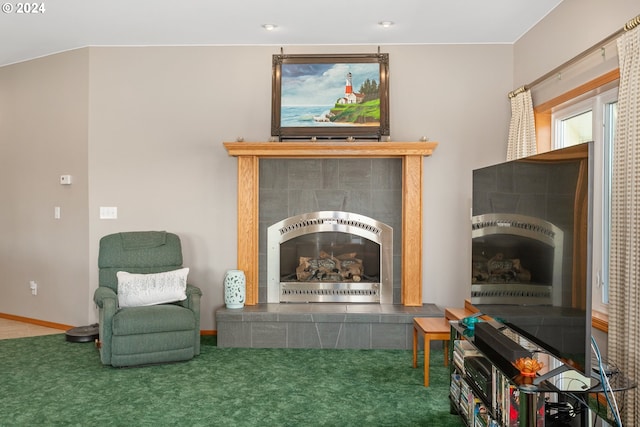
(576, 129)
(593, 119)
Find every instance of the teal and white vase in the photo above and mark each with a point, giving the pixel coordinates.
(234, 288)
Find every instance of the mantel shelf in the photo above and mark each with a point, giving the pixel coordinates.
(331, 149)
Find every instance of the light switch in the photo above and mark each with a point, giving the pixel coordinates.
(108, 212)
(56, 212)
(65, 179)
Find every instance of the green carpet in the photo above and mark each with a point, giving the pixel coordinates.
(47, 381)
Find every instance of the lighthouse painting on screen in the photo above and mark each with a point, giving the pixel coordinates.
(338, 97)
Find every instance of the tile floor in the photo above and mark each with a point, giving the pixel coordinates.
(15, 329)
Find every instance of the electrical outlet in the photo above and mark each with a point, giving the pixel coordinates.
(33, 285)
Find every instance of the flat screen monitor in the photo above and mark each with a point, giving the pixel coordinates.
(531, 246)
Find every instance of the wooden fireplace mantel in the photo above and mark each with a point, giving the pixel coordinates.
(412, 153)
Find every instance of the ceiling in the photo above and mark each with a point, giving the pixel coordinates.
(71, 24)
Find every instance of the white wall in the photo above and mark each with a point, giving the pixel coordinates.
(43, 134)
(570, 29)
(156, 118)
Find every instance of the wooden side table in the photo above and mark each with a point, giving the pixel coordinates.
(457, 313)
(431, 328)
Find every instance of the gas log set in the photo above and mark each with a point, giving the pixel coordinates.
(340, 268)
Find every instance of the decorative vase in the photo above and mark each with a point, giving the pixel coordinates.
(234, 288)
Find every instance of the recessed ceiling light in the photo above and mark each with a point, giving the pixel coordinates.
(269, 27)
(385, 24)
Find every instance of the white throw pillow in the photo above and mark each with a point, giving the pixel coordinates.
(136, 290)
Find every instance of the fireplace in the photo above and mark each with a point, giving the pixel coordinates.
(385, 325)
(516, 259)
(250, 154)
(330, 256)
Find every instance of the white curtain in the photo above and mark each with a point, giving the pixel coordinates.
(522, 129)
(624, 293)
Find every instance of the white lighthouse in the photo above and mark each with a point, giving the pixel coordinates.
(349, 96)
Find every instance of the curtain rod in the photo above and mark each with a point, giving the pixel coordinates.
(628, 26)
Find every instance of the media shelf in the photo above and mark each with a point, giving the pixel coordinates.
(487, 390)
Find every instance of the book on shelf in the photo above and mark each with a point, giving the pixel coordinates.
(461, 350)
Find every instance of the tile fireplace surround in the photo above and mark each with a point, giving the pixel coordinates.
(326, 325)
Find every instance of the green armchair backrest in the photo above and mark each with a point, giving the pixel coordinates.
(140, 252)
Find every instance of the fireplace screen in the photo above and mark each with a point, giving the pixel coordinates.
(330, 256)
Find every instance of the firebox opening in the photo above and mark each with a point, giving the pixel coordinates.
(330, 257)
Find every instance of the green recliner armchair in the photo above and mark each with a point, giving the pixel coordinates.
(150, 334)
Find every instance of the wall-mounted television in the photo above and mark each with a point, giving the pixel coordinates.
(531, 246)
